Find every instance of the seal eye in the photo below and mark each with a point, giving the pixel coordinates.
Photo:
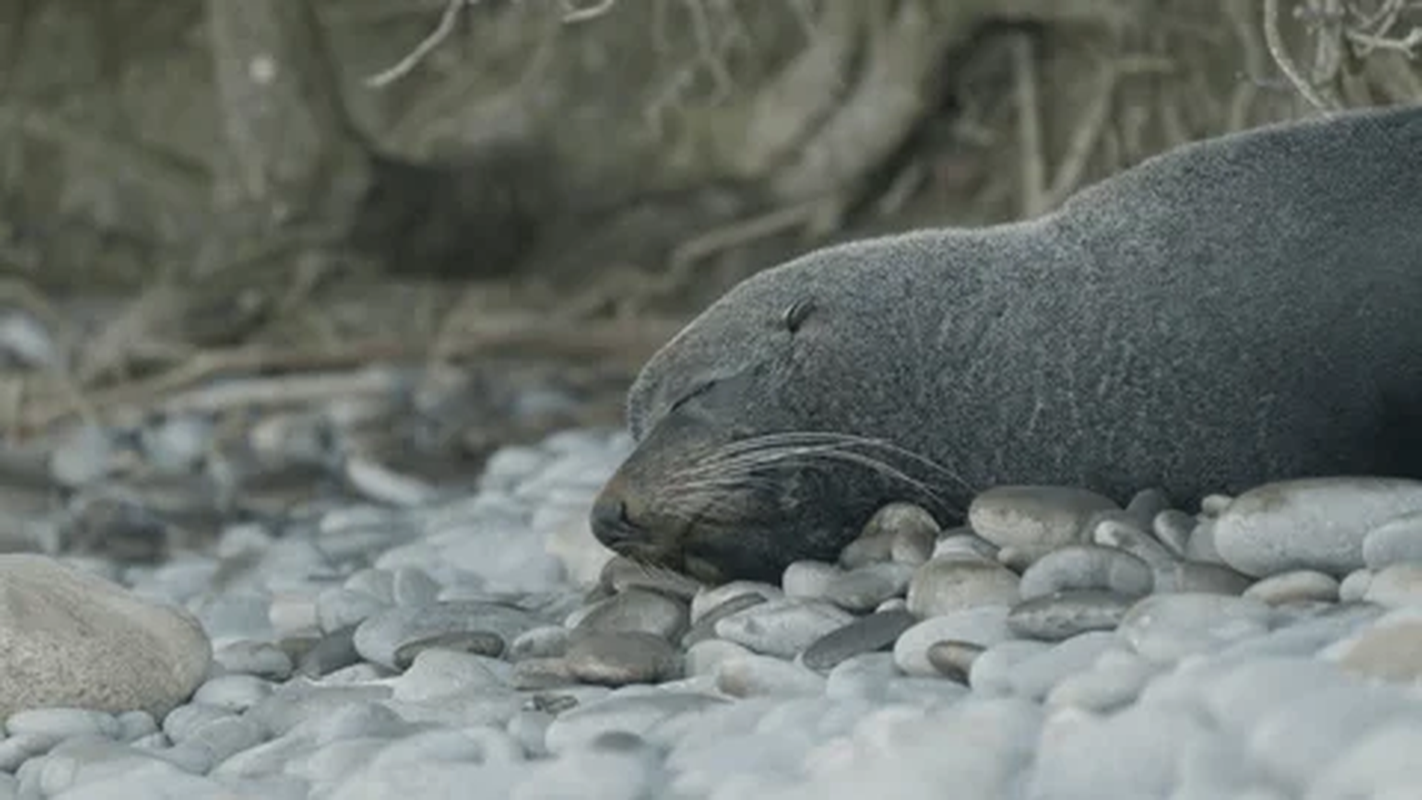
(796, 314)
(696, 390)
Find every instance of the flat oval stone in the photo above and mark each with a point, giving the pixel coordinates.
(1087, 566)
(623, 657)
(953, 583)
(708, 599)
(545, 641)
(1201, 546)
(1062, 615)
(705, 628)
(782, 628)
(250, 657)
(864, 635)
(378, 638)
(753, 676)
(1298, 586)
(954, 659)
(233, 692)
(480, 643)
(1311, 523)
(1397, 541)
(983, 626)
(637, 610)
(1116, 529)
(620, 574)
(808, 580)
(863, 589)
(440, 673)
(62, 723)
(339, 607)
(1034, 519)
(1168, 627)
(73, 639)
(1200, 577)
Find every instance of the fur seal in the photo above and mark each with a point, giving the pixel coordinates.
(1237, 310)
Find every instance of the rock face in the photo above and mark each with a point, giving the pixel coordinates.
(69, 638)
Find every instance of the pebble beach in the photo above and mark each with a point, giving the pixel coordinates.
(479, 643)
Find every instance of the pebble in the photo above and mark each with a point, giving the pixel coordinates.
(182, 721)
(1087, 566)
(1037, 675)
(1396, 586)
(636, 610)
(481, 643)
(628, 713)
(991, 670)
(1065, 614)
(947, 584)
(1113, 682)
(1034, 519)
(77, 640)
(702, 657)
(623, 657)
(954, 659)
(782, 628)
(439, 673)
(864, 635)
(332, 652)
(1169, 627)
(1173, 529)
(1389, 650)
(262, 659)
(756, 675)
(233, 692)
(809, 580)
(1397, 541)
(863, 589)
(1297, 586)
(379, 637)
(1312, 523)
(622, 574)
(902, 532)
(339, 607)
(708, 599)
(705, 628)
(1354, 587)
(1118, 530)
(982, 626)
(62, 723)
(1200, 577)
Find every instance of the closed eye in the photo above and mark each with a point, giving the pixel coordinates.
(697, 390)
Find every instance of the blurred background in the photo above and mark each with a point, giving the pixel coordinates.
(452, 224)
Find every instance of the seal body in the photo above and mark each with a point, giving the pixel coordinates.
(1239, 310)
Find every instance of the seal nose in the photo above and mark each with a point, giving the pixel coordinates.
(610, 523)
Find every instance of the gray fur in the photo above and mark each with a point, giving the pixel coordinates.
(1239, 310)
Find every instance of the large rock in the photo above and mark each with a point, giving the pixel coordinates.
(69, 638)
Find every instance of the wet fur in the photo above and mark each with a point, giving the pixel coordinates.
(1239, 310)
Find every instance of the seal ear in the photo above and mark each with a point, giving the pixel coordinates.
(796, 314)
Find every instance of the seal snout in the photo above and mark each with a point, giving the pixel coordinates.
(610, 523)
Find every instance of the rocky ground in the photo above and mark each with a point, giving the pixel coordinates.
(304, 618)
